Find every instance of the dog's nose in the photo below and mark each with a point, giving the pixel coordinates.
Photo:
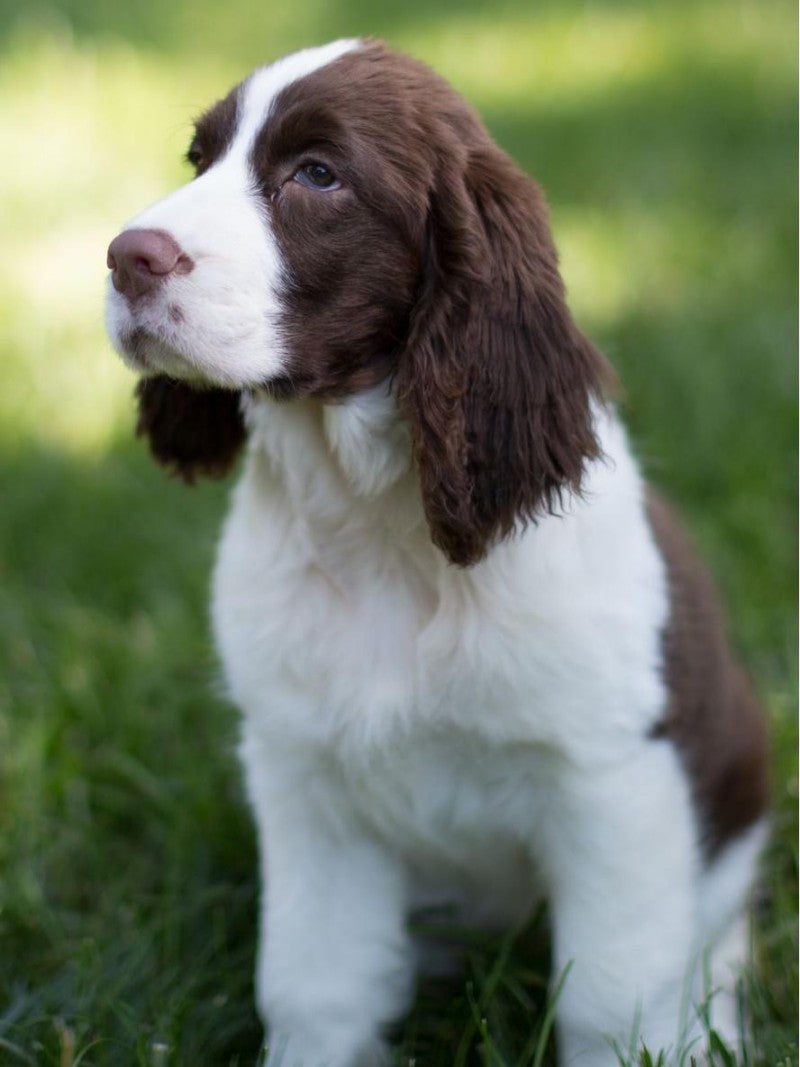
(140, 260)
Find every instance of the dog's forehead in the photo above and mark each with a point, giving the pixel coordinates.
(257, 93)
(352, 92)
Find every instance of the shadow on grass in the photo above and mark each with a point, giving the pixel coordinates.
(128, 901)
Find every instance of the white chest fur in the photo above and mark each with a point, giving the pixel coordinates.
(338, 621)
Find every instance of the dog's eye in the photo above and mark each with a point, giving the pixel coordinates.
(317, 176)
(194, 155)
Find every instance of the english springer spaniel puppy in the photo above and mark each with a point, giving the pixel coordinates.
(477, 660)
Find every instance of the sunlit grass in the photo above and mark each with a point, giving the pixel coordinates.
(557, 58)
(90, 134)
(93, 130)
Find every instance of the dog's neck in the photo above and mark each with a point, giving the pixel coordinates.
(340, 463)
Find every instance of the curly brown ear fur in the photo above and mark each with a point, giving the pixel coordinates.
(193, 432)
(496, 379)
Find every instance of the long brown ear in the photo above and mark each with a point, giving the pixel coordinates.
(496, 379)
(192, 432)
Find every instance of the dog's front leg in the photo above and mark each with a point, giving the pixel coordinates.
(623, 864)
(334, 964)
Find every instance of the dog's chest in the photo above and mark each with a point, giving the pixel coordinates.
(356, 639)
(342, 626)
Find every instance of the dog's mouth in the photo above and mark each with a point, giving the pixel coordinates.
(137, 344)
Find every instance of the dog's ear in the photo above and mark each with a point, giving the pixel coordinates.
(193, 432)
(495, 379)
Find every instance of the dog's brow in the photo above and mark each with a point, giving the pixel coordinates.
(258, 93)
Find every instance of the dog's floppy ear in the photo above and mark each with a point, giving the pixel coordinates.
(495, 379)
(192, 431)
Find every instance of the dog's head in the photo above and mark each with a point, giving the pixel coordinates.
(351, 220)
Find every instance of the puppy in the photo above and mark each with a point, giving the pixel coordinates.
(476, 658)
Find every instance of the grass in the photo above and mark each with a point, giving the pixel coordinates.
(665, 136)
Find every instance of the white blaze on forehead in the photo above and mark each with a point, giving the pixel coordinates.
(259, 91)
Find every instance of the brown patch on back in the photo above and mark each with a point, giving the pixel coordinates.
(713, 717)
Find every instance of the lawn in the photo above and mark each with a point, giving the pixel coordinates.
(665, 137)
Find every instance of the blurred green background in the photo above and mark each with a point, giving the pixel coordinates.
(664, 133)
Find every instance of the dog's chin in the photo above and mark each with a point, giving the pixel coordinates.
(150, 357)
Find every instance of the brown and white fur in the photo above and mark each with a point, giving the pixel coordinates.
(476, 659)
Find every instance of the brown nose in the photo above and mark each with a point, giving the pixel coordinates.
(140, 260)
